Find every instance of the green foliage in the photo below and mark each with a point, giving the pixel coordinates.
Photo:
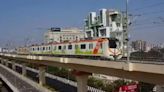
(146, 87)
(155, 53)
(116, 84)
(61, 72)
(92, 81)
(108, 87)
(95, 83)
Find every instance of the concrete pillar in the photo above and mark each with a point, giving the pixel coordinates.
(1, 85)
(42, 70)
(3, 61)
(6, 63)
(159, 88)
(82, 78)
(0, 60)
(13, 66)
(24, 69)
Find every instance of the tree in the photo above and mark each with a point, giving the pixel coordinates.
(145, 87)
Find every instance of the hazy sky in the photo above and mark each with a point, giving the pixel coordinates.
(28, 19)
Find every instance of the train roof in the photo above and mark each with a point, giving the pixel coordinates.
(56, 43)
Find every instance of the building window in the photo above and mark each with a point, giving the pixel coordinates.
(83, 46)
(69, 47)
(90, 46)
(49, 48)
(88, 34)
(59, 47)
(38, 48)
(77, 37)
(103, 32)
(33, 49)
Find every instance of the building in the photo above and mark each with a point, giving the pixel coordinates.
(63, 35)
(139, 45)
(107, 24)
(4, 50)
(162, 45)
(22, 50)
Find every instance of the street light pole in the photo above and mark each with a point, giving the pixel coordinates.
(127, 31)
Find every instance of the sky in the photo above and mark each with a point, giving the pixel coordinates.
(24, 21)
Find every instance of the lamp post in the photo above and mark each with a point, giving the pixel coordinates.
(127, 25)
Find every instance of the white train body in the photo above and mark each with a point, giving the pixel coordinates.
(98, 47)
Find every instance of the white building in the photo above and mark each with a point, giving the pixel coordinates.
(63, 35)
(107, 24)
(139, 45)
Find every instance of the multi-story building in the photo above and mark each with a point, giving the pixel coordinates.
(106, 24)
(63, 35)
(22, 50)
(139, 45)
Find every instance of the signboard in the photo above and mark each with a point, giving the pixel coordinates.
(129, 88)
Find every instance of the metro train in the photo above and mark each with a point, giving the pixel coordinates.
(101, 47)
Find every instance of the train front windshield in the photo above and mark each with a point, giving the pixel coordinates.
(112, 43)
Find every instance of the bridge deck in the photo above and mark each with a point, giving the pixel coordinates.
(135, 70)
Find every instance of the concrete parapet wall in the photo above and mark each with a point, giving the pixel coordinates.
(37, 86)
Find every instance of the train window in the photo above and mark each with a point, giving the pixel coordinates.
(69, 47)
(112, 44)
(90, 46)
(83, 46)
(59, 47)
(43, 48)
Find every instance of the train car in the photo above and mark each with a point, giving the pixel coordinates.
(102, 47)
(22, 50)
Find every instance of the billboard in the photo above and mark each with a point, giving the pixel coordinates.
(129, 88)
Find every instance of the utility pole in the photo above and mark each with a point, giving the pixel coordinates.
(127, 31)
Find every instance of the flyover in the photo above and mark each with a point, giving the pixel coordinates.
(150, 72)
